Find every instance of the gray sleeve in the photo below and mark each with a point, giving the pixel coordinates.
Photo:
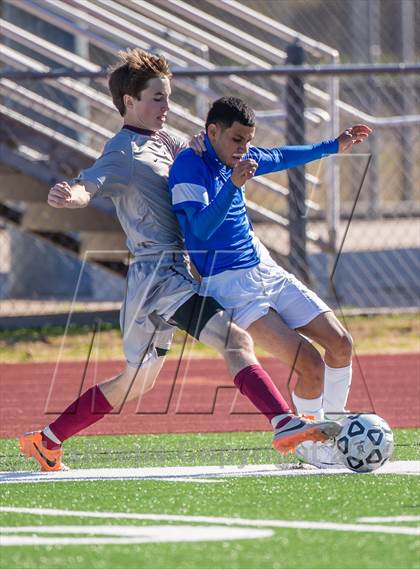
(111, 172)
(176, 143)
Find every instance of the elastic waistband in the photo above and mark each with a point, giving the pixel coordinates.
(164, 257)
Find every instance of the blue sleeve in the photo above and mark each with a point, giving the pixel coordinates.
(284, 157)
(205, 220)
(188, 179)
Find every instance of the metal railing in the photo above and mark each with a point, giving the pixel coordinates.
(383, 213)
(62, 56)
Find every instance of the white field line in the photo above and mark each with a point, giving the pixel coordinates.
(289, 524)
(124, 534)
(189, 479)
(197, 473)
(389, 519)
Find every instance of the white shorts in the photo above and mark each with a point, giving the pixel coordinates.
(249, 294)
(156, 287)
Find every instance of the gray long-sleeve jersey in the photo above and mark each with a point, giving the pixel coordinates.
(133, 171)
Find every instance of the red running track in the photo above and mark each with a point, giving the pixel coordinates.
(200, 399)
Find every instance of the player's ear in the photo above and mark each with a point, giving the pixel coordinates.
(212, 131)
(128, 101)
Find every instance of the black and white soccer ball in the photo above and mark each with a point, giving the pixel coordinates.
(365, 442)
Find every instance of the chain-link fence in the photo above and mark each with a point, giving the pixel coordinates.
(361, 211)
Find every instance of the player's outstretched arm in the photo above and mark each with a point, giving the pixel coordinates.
(354, 135)
(284, 157)
(62, 195)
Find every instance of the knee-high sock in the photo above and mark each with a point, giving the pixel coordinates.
(309, 407)
(86, 410)
(255, 383)
(337, 383)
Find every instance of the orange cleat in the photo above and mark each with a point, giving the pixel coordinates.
(300, 429)
(31, 445)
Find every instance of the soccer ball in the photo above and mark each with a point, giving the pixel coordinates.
(365, 442)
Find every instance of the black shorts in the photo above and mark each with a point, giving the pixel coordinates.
(194, 314)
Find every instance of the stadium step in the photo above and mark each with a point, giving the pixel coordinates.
(16, 186)
(38, 217)
(101, 246)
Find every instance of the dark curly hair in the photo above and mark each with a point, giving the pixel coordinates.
(227, 110)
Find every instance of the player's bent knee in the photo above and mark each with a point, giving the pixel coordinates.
(240, 339)
(136, 380)
(308, 357)
(217, 331)
(140, 386)
(343, 345)
(311, 365)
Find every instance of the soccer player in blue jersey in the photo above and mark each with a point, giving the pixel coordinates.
(162, 294)
(279, 311)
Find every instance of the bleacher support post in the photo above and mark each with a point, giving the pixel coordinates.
(295, 134)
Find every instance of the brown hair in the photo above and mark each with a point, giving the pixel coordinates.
(131, 74)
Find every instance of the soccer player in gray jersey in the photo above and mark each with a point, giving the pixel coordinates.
(161, 292)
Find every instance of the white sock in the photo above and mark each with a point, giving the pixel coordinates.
(311, 407)
(337, 383)
(50, 435)
(276, 420)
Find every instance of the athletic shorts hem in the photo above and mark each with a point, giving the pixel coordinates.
(308, 319)
(152, 356)
(245, 322)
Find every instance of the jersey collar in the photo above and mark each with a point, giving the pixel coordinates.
(138, 130)
(211, 153)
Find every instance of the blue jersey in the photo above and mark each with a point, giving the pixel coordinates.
(212, 211)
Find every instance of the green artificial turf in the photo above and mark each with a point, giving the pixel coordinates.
(340, 499)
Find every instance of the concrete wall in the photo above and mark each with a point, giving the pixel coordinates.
(387, 278)
(35, 269)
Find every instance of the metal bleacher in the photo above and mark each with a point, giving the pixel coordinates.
(54, 128)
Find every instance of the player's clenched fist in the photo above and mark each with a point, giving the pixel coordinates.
(64, 195)
(60, 195)
(243, 171)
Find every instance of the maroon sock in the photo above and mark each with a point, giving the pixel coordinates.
(255, 383)
(86, 410)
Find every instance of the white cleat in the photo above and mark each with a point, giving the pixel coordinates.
(299, 429)
(321, 455)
